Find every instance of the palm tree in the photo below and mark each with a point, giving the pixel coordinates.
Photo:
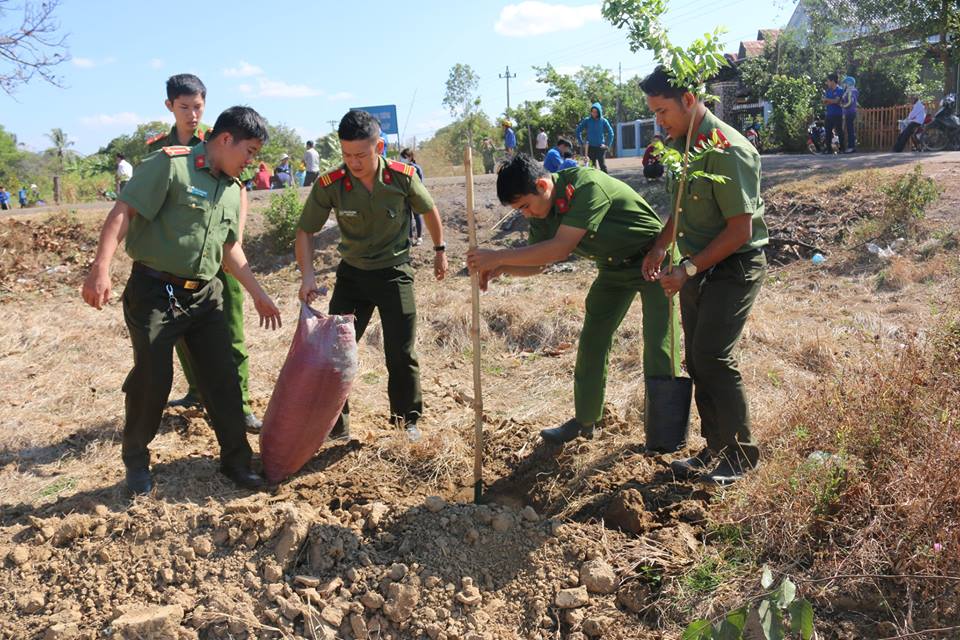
(60, 143)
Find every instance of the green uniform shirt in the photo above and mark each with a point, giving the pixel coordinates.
(706, 205)
(620, 224)
(170, 140)
(185, 214)
(374, 226)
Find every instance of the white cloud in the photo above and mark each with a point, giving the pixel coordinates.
(156, 63)
(341, 95)
(112, 119)
(243, 70)
(245, 88)
(280, 89)
(531, 18)
(84, 63)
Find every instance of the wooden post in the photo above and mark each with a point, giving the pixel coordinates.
(474, 332)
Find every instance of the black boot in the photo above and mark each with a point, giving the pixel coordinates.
(244, 477)
(687, 468)
(188, 401)
(568, 431)
(139, 480)
(340, 431)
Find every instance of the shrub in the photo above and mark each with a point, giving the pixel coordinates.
(791, 110)
(282, 216)
(906, 200)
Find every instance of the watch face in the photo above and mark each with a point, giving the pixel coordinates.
(690, 268)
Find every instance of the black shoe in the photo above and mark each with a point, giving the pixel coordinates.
(566, 432)
(139, 480)
(244, 477)
(689, 467)
(252, 423)
(188, 401)
(728, 471)
(339, 432)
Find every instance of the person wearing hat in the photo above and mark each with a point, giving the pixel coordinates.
(849, 104)
(282, 173)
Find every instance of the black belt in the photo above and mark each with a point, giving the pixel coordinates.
(169, 278)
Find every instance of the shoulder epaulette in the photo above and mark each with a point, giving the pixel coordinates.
(159, 136)
(202, 131)
(176, 150)
(402, 167)
(330, 177)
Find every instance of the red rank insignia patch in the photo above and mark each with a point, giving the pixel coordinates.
(347, 184)
(387, 178)
(563, 205)
(200, 162)
(569, 192)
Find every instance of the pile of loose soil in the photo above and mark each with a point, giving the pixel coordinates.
(44, 256)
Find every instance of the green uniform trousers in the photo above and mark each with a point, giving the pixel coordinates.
(390, 290)
(715, 305)
(154, 329)
(233, 307)
(609, 299)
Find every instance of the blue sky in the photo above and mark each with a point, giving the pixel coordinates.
(305, 63)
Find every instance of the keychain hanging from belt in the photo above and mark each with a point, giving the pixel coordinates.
(174, 307)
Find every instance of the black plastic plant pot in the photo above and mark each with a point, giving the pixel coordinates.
(666, 411)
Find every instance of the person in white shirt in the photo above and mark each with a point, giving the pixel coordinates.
(542, 144)
(311, 162)
(124, 172)
(913, 122)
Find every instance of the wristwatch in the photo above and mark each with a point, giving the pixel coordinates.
(440, 247)
(689, 267)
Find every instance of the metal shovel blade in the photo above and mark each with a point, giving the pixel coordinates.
(666, 411)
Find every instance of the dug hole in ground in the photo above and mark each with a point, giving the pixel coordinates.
(851, 366)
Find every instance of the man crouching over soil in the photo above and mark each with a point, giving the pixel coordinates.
(587, 212)
(179, 214)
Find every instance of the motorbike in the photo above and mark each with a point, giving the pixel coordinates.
(943, 131)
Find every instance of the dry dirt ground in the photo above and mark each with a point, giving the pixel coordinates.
(379, 538)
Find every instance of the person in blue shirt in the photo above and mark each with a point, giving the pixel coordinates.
(22, 195)
(599, 136)
(832, 98)
(509, 139)
(557, 158)
(4, 199)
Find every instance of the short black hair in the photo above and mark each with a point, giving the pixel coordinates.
(564, 141)
(309, 143)
(185, 84)
(120, 156)
(660, 84)
(358, 125)
(832, 77)
(518, 177)
(243, 123)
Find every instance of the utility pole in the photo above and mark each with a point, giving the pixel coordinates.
(333, 124)
(506, 76)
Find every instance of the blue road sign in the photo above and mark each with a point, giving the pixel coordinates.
(386, 114)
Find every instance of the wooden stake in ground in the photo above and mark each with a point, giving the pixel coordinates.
(673, 243)
(474, 333)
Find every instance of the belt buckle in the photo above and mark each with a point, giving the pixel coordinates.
(190, 285)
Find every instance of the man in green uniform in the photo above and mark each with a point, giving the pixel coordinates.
(180, 217)
(371, 198)
(589, 213)
(721, 235)
(186, 100)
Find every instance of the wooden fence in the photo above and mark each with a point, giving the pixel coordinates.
(877, 128)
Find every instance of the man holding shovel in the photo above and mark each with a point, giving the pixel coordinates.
(721, 235)
(587, 212)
